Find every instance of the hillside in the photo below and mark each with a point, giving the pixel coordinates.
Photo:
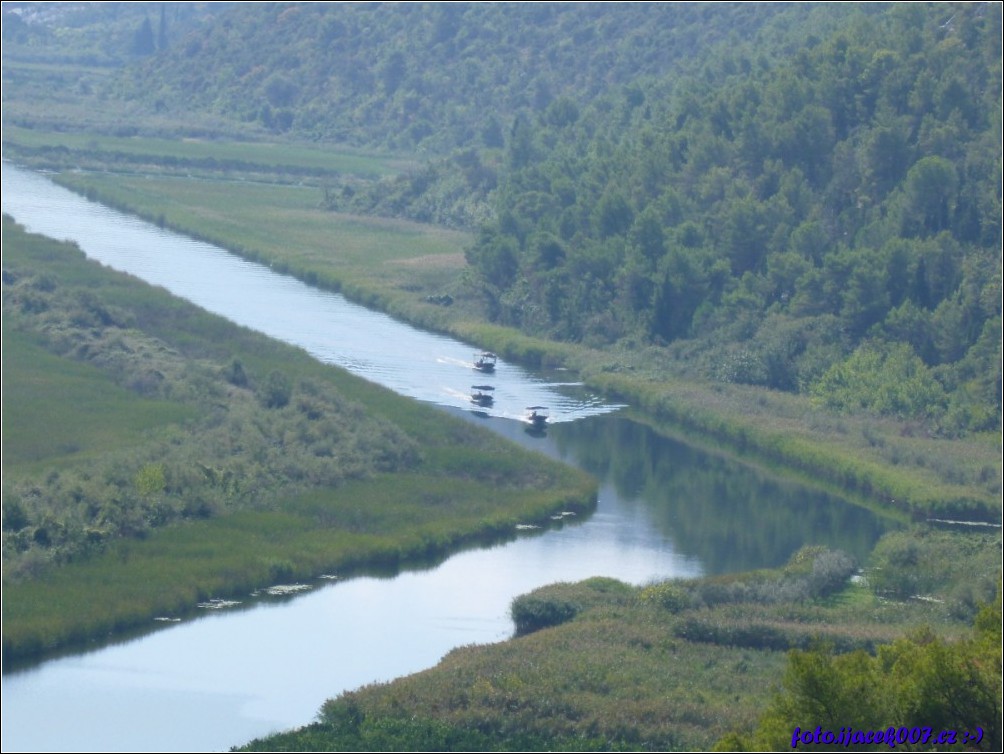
(804, 197)
(430, 76)
(828, 224)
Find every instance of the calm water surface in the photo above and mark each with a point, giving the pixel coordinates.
(222, 677)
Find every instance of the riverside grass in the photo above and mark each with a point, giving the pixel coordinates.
(368, 259)
(889, 464)
(56, 148)
(388, 522)
(672, 666)
(90, 415)
(467, 484)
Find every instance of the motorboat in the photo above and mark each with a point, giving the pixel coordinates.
(482, 395)
(537, 416)
(485, 361)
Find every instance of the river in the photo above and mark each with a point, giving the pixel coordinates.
(665, 509)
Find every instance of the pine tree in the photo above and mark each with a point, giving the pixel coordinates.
(162, 32)
(143, 42)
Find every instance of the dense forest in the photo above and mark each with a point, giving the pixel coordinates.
(433, 76)
(828, 224)
(98, 34)
(800, 196)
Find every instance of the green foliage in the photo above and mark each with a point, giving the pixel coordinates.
(813, 572)
(555, 604)
(533, 613)
(882, 379)
(666, 595)
(918, 682)
(234, 374)
(403, 79)
(830, 186)
(276, 390)
(954, 570)
(929, 193)
(150, 480)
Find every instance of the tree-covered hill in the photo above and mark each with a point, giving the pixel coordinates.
(98, 34)
(434, 76)
(828, 223)
(804, 196)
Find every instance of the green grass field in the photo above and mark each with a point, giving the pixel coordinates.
(58, 411)
(374, 260)
(236, 156)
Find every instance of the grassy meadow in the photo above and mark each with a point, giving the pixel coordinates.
(58, 149)
(156, 456)
(58, 411)
(392, 264)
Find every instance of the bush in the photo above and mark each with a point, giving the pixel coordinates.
(235, 375)
(276, 391)
(531, 613)
(751, 635)
(888, 380)
(811, 573)
(958, 568)
(555, 604)
(666, 595)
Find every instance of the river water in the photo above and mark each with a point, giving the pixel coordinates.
(665, 509)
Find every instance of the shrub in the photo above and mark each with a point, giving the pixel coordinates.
(276, 391)
(890, 380)
(235, 375)
(812, 572)
(531, 612)
(751, 635)
(666, 595)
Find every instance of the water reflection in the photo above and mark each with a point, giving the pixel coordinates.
(706, 507)
(722, 513)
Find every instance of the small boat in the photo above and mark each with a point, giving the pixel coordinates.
(482, 395)
(485, 361)
(537, 416)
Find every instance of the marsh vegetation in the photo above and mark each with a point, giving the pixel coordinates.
(138, 427)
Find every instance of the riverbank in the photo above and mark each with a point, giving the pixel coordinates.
(193, 459)
(677, 666)
(408, 270)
